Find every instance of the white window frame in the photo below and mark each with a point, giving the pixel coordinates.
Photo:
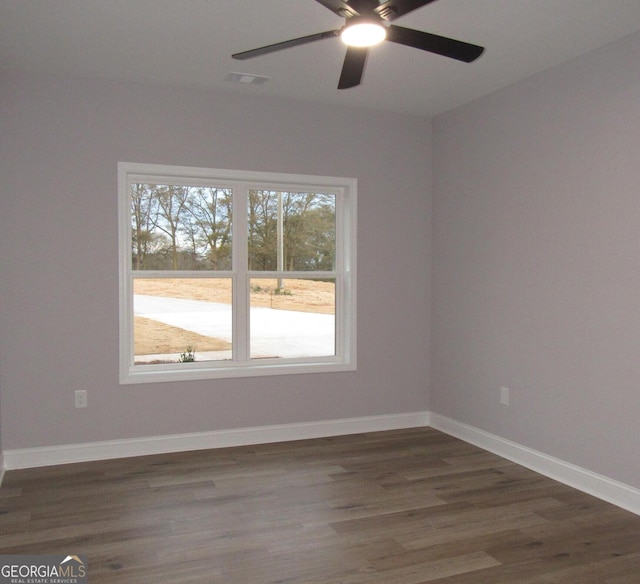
(241, 366)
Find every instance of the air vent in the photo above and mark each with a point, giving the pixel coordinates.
(247, 78)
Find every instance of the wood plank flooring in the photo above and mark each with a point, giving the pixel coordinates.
(398, 507)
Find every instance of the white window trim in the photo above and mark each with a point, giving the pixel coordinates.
(345, 273)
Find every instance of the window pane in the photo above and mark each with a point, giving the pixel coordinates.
(292, 318)
(291, 231)
(180, 227)
(181, 319)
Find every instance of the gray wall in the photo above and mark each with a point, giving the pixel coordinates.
(536, 262)
(60, 142)
(536, 258)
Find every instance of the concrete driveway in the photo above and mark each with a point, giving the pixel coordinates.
(274, 333)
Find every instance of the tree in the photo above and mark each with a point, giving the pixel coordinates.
(143, 211)
(209, 228)
(308, 226)
(190, 227)
(171, 200)
(263, 209)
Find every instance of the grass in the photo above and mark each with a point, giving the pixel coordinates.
(302, 295)
(153, 337)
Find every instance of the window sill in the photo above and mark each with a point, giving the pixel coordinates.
(200, 371)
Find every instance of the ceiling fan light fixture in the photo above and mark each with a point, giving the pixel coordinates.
(363, 33)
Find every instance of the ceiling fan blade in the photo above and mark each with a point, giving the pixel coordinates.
(286, 44)
(392, 9)
(434, 44)
(353, 67)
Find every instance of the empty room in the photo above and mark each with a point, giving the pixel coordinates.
(279, 304)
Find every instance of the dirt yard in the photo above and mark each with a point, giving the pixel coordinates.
(156, 338)
(152, 337)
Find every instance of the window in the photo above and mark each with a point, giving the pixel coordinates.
(229, 274)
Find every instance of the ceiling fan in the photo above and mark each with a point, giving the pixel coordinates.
(366, 24)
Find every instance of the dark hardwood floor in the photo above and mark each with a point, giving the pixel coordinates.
(399, 507)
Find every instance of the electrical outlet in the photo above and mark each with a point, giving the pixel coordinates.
(81, 398)
(504, 396)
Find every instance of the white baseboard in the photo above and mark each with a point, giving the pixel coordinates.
(69, 453)
(579, 478)
(599, 486)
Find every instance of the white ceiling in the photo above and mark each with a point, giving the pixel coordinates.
(190, 42)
